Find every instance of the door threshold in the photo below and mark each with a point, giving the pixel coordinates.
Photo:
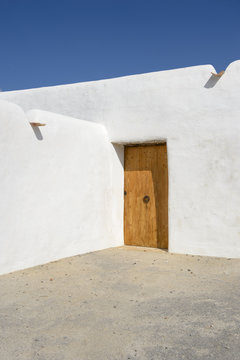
(142, 248)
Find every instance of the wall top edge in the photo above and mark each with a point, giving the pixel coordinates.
(197, 68)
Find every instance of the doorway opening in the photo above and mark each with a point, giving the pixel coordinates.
(146, 195)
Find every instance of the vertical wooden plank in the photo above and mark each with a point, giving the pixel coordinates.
(146, 219)
(161, 188)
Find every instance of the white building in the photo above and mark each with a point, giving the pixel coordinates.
(62, 185)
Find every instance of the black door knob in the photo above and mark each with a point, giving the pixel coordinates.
(146, 199)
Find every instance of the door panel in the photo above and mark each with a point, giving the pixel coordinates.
(146, 196)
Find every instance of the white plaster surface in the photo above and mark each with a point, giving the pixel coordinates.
(198, 115)
(60, 188)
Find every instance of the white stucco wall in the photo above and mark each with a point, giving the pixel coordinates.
(60, 187)
(198, 115)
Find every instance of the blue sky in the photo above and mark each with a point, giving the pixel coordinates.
(50, 42)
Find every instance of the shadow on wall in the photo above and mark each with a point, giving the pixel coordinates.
(119, 149)
(37, 132)
(212, 82)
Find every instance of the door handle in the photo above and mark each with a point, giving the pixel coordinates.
(146, 199)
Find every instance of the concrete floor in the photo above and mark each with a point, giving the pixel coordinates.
(123, 303)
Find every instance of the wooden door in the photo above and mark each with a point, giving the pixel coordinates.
(146, 196)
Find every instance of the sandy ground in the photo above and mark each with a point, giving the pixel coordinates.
(120, 304)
